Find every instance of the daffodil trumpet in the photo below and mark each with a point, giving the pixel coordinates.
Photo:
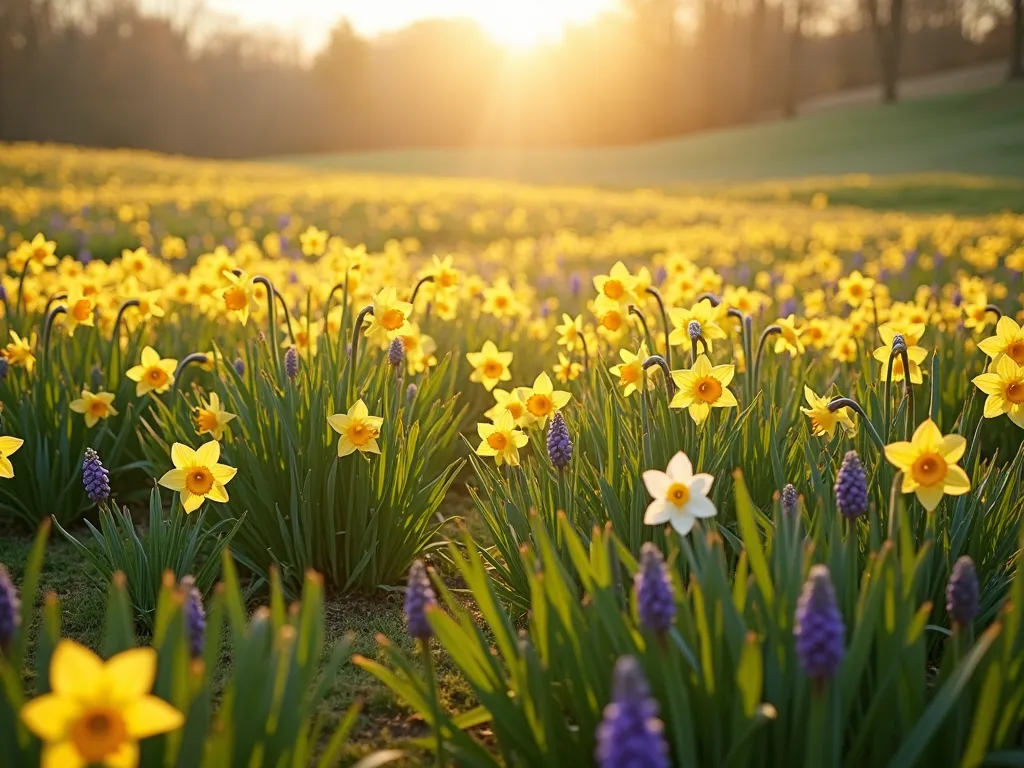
(664, 322)
(416, 289)
(662, 363)
(899, 347)
(846, 402)
(767, 333)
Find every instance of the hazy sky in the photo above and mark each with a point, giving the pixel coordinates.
(516, 23)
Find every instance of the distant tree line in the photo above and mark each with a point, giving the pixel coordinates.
(121, 73)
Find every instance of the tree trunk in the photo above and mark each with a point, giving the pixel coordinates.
(889, 41)
(1017, 41)
(754, 64)
(789, 107)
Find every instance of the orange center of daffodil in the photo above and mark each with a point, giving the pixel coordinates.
(856, 290)
(708, 390)
(81, 310)
(612, 321)
(302, 338)
(98, 733)
(678, 494)
(98, 408)
(493, 369)
(393, 319)
(630, 374)
(359, 433)
(497, 441)
(234, 299)
(40, 254)
(929, 469)
(157, 377)
(501, 302)
(207, 421)
(199, 481)
(613, 289)
(1015, 392)
(446, 279)
(539, 405)
(516, 409)
(1016, 352)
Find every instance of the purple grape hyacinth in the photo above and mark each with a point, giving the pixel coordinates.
(962, 592)
(852, 487)
(95, 477)
(10, 609)
(559, 442)
(790, 498)
(631, 733)
(396, 352)
(419, 594)
(291, 362)
(655, 598)
(820, 632)
(195, 617)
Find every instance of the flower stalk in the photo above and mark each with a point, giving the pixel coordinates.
(664, 322)
(768, 332)
(845, 402)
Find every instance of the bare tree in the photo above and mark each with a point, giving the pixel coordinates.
(1017, 42)
(887, 23)
(796, 34)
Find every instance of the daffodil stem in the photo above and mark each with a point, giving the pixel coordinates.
(660, 361)
(272, 320)
(845, 402)
(56, 297)
(21, 285)
(586, 352)
(888, 393)
(330, 298)
(356, 329)
(693, 346)
(287, 316)
(771, 330)
(664, 323)
(195, 357)
(746, 331)
(420, 284)
(634, 310)
(47, 328)
(115, 335)
(905, 357)
(995, 311)
(713, 300)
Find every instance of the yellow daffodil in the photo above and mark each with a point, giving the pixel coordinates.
(915, 355)
(239, 296)
(929, 464)
(19, 351)
(567, 370)
(359, 431)
(679, 496)
(94, 406)
(97, 712)
(501, 440)
(631, 371)
(490, 366)
(824, 421)
(1005, 389)
(150, 305)
(500, 300)
(211, 418)
(788, 339)
(703, 387)
(390, 317)
(306, 335)
(855, 289)
(313, 242)
(543, 400)
(976, 314)
(8, 447)
(570, 332)
(40, 253)
(618, 285)
(445, 276)
(197, 476)
(1008, 340)
(154, 374)
(611, 317)
(513, 402)
(81, 310)
(702, 313)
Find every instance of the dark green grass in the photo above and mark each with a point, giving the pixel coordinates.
(979, 132)
(384, 723)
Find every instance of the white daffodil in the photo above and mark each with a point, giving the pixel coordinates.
(680, 496)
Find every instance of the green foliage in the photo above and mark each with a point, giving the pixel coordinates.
(261, 713)
(182, 545)
(727, 677)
